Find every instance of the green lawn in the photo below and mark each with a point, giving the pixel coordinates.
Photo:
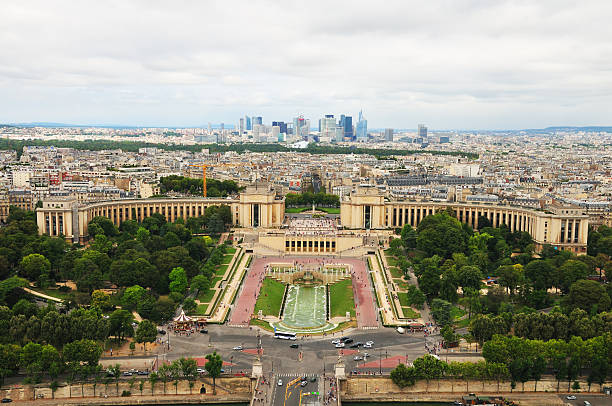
(457, 312)
(230, 250)
(227, 258)
(391, 260)
(297, 209)
(201, 309)
(221, 269)
(341, 297)
(395, 272)
(403, 298)
(409, 313)
(330, 210)
(270, 298)
(402, 284)
(52, 292)
(206, 297)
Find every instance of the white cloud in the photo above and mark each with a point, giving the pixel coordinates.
(451, 64)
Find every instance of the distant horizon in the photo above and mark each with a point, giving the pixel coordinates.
(230, 126)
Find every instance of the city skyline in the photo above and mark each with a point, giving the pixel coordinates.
(466, 65)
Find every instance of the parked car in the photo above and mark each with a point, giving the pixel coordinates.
(127, 373)
(570, 397)
(366, 345)
(6, 400)
(348, 341)
(304, 383)
(336, 341)
(162, 332)
(370, 342)
(343, 339)
(201, 371)
(313, 379)
(238, 348)
(204, 331)
(340, 345)
(280, 382)
(143, 372)
(354, 346)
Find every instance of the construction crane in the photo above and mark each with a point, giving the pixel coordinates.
(203, 177)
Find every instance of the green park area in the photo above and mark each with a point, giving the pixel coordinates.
(270, 298)
(341, 299)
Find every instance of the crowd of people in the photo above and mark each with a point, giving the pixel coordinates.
(322, 226)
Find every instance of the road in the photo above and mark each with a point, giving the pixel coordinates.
(319, 355)
(595, 400)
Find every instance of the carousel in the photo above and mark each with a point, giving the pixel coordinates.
(182, 322)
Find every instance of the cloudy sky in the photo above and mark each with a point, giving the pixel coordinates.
(473, 64)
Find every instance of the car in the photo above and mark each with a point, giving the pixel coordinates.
(127, 373)
(340, 345)
(222, 370)
(587, 403)
(343, 339)
(162, 332)
(7, 400)
(570, 397)
(348, 341)
(294, 346)
(354, 346)
(365, 355)
(358, 358)
(336, 341)
(366, 345)
(201, 370)
(370, 342)
(358, 343)
(204, 331)
(313, 379)
(304, 383)
(143, 372)
(238, 348)
(280, 382)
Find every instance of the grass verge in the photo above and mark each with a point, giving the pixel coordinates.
(341, 298)
(270, 298)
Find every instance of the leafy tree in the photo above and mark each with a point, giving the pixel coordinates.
(441, 311)
(440, 234)
(35, 266)
(429, 367)
(538, 367)
(178, 280)
(101, 300)
(510, 276)
(121, 324)
(570, 272)
(469, 277)
(586, 294)
(403, 376)
(153, 379)
(105, 224)
(132, 296)
(213, 367)
(200, 283)
(409, 236)
(146, 333)
(189, 305)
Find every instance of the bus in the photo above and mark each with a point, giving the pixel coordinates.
(284, 336)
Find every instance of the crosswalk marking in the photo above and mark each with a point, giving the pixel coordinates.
(294, 375)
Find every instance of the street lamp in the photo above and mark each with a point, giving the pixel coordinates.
(380, 362)
(231, 363)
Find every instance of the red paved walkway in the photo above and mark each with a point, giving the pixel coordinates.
(365, 307)
(390, 362)
(246, 302)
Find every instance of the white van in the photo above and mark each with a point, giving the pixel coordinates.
(401, 330)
